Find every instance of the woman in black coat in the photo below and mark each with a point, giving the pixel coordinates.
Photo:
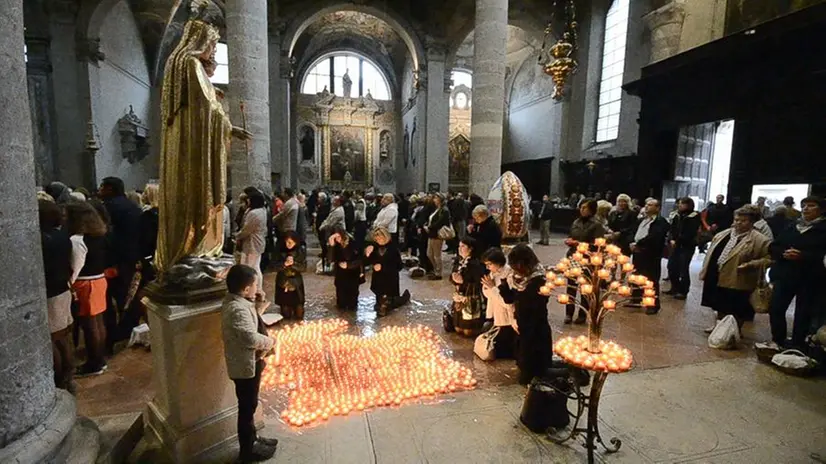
(346, 259)
(289, 284)
(468, 300)
(484, 229)
(386, 261)
(534, 353)
(585, 229)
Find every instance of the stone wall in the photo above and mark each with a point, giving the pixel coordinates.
(411, 149)
(124, 81)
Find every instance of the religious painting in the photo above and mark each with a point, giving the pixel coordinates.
(745, 14)
(347, 154)
(406, 147)
(306, 140)
(459, 170)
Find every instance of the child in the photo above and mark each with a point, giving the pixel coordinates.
(386, 261)
(502, 313)
(346, 259)
(245, 345)
(289, 284)
(468, 304)
(533, 356)
(87, 232)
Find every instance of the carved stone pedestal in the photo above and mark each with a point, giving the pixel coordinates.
(194, 412)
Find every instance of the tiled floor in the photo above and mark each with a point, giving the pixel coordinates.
(707, 406)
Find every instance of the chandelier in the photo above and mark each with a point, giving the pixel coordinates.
(557, 55)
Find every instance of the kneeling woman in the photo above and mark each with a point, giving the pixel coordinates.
(289, 284)
(386, 260)
(502, 313)
(534, 353)
(468, 304)
(346, 259)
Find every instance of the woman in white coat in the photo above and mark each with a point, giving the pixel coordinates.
(501, 312)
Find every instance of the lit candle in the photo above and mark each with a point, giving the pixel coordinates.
(610, 305)
(604, 274)
(596, 260)
(624, 290)
(627, 267)
(550, 275)
(576, 256)
(582, 247)
(560, 281)
(648, 283)
(576, 272)
(599, 242)
(545, 290)
(648, 301)
(650, 292)
(609, 263)
(622, 259)
(614, 285)
(586, 289)
(562, 299)
(581, 280)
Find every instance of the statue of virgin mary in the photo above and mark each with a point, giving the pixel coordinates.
(195, 135)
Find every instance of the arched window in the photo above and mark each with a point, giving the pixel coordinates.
(459, 77)
(329, 72)
(221, 75)
(613, 64)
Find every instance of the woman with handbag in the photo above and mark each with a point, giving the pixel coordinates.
(439, 219)
(468, 303)
(504, 318)
(534, 354)
(731, 271)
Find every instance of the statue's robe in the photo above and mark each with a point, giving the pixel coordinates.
(195, 136)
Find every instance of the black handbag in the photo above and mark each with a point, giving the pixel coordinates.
(546, 404)
(447, 320)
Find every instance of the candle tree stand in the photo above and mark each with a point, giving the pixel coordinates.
(605, 278)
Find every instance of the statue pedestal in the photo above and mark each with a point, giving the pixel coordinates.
(194, 412)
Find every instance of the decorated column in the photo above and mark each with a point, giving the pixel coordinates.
(487, 113)
(249, 85)
(34, 417)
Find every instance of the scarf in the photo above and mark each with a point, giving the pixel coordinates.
(803, 225)
(645, 226)
(520, 283)
(733, 240)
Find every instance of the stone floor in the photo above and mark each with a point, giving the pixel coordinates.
(683, 402)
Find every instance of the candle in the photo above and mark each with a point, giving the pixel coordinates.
(550, 275)
(610, 305)
(624, 290)
(648, 301)
(596, 260)
(562, 299)
(604, 274)
(627, 267)
(622, 259)
(576, 256)
(560, 281)
(609, 263)
(614, 285)
(586, 289)
(648, 283)
(649, 292)
(561, 267)
(581, 280)
(582, 247)
(599, 242)
(614, 250)
(545, 290)
(576, 272)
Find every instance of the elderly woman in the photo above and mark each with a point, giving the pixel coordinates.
(484, 229)
(623, 222)
(732, 267)
(798, 272)
(603, 211)
(586, 228)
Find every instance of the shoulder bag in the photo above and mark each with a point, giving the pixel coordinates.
(761, 296)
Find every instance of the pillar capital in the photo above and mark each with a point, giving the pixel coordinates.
(666, 26)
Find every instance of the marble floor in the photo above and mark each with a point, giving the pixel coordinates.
(683, 402)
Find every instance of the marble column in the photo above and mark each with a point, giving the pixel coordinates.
(487, 113)
(666, 26)
(34, 417)
(249, 83)
(437, 121)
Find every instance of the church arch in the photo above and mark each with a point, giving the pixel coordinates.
(397, 22)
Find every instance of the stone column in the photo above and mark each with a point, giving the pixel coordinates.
(666, 26)
(34, 418)
(487, 113)
(249, 82)
(280, 115)
(438, 119)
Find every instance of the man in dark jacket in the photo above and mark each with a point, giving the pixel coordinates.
(683, 240)
(545, 212)
(458, 208)
(124, 256)
(647, 246)
(349, 211)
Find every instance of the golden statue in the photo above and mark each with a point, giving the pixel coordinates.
(195, 137)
